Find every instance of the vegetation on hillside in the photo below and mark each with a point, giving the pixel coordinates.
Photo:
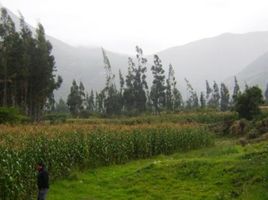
(65, 146)
(222, 172)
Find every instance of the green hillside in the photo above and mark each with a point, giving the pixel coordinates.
(225, 171)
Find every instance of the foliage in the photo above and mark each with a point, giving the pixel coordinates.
(61, 107)
(225, 96)
(224, 171)
(62, 148)
(75, 100)
(158, 87)
(192, 101)
(214, 100)
(202, 100)
(174, 100)
(10, 115)
(247, 104)
(136, 85)
(27, 67)
(236, 90)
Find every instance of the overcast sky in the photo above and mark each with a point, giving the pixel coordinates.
(119, 25)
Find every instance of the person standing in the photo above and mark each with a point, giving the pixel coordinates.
(42, 181)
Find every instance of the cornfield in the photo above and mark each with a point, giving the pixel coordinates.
(66, 146)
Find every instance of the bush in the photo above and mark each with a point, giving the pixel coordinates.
(10, 115)
(247, 104)
(240, 127)
(253, 133)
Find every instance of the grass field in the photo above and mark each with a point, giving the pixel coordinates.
(225, 171)
(169, 156)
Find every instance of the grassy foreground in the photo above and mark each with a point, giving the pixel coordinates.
(225, 171)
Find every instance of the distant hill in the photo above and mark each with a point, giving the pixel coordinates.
(256, 73)
(215, 58)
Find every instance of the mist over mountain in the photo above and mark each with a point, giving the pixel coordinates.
(216, 58)
(256, 73)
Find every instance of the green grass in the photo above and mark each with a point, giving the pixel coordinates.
(225, 171)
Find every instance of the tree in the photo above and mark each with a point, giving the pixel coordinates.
(247, 104)
(61, 107)
(178, 102)
(214, 102)
(192, 101)
(158, 87)
(208, 91)
(90, 102)
(7, 35)
(173, 96)
(100, 102)
(136, 85)
(121, 92)
(236, 90)
(27, 67)
(82, 95)
(42, 78)
(225, 96)
(74, 100)
(202, 100)
(170, 82)
(112, 101)
(266, 94)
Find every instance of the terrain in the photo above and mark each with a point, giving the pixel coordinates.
(189, 155)
(224, 171)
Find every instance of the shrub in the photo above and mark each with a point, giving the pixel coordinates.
(240, 127)
(247, 104)
(10, 115)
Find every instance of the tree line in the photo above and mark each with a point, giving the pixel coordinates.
(28, 80)
(133, 96)
(27, 67)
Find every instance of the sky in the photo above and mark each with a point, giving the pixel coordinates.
(154, 25)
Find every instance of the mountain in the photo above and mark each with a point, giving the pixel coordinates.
(215, 58)
(209, 59)
(256, 73)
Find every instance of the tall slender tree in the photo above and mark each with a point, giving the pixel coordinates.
(112, 102)
(90, 99)
(202, 100)
(174, 100)
(215, 99)
(208, 91)
(9, 64)
(236, 90)
(158, 87)
(74, 100)
(136, 85)
(82, 95)
(192, 101)
(43, 81)
(225, 97)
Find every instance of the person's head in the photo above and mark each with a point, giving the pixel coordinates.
(40, 166)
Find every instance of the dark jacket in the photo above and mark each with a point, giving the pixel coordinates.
(43, 179)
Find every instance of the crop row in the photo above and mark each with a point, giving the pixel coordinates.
(97, 147)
